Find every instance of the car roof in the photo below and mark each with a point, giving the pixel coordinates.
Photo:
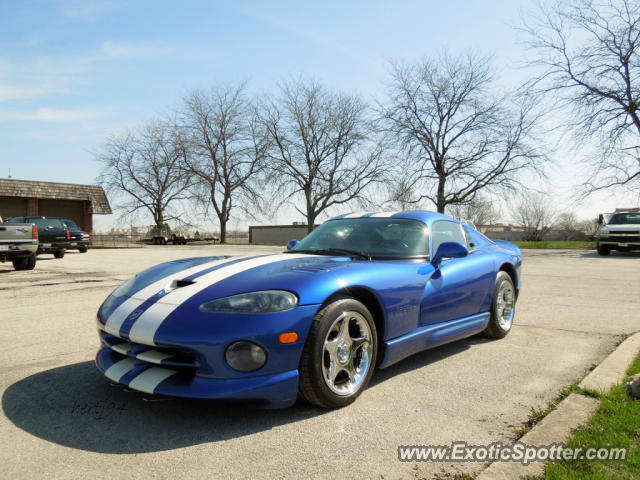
(425, 216)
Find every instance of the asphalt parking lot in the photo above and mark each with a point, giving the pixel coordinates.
(61, 419)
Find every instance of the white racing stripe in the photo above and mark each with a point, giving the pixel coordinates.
(153, 356)
(122, 348)
(120, 314)
(144, 329)
(148, 380)
(119, 369)
(383, 214)
(356, 215)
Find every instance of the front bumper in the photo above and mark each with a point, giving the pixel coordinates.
(186, 358)
(278, 390)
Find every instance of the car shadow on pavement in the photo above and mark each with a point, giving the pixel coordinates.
(612, 255)
(75, 406)
(426, 357)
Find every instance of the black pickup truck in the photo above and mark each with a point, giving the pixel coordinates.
(79, 239)
(54, 237)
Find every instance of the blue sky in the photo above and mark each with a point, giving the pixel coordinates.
(73, 72)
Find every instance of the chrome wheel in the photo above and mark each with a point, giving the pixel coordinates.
(347, 353)
(505, 302)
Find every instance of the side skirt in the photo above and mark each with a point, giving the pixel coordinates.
(430, 336)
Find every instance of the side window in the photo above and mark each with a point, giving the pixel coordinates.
(446, 231)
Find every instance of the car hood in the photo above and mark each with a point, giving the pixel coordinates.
(622, 227)
(175, 282)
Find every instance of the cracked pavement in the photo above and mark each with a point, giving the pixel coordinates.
(60, 416)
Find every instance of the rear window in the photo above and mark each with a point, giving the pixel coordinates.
(44, 223)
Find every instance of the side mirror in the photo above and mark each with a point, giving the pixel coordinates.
(292, 243)
(449, 250)
(600, 219)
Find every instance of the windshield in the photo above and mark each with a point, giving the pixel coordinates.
(375, 237)
(71, 225)
(625, 218)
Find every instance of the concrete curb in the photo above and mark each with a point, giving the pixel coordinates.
(613, 368)
(572, 412)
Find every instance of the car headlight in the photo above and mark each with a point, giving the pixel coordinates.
(604, 231)
(265, 301)
(245, 356)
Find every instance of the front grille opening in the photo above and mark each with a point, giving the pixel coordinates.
(175, 358)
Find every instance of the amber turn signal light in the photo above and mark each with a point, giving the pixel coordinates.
(288, 337)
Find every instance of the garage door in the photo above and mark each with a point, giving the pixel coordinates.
(70, 209)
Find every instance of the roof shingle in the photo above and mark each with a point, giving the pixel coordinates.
(58, 191)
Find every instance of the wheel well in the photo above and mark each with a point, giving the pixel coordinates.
(369, 300)
(511, 270)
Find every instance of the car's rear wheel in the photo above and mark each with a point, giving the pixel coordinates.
(339, 355)
(24, 263)
(83, 249)
(503, 307)
(58, 253)
(604, 250)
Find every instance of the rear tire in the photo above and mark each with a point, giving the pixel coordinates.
(503, 305)
(58, 254)
(604, 250)
(24, 263)
(339, 355)
(83, 249)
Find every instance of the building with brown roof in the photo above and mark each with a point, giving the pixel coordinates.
(75, 202)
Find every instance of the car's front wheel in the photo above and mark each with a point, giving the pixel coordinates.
(604, 250)
(339, 355)
(503, 307)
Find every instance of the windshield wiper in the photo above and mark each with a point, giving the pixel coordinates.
(334, 251)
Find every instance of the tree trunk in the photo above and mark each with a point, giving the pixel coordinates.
(441, 201)
(223, 229)
(311, 220)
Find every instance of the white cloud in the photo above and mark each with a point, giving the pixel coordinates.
(128, 51)
(49, 115)
(82, 9)
(22, 92)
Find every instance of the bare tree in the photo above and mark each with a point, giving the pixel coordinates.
(480, 211)
(568, 226)
(534, 214)
(459, 138)
(144, 168)
(400, 193)
(228, 148)
(588, 54)
(590, 227)
(322, 150)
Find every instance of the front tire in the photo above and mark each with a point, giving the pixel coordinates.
(339, 355)
(503, 307)
(604, 250)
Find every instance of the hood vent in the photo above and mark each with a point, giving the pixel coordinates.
(177, 283)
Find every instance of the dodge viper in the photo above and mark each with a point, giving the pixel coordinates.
(361, 291)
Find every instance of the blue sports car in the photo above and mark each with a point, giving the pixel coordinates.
(360, 291)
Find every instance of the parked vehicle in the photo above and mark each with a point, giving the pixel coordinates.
(359, 291)
(165, 236)
(18, 243)
(54, 237)
(621, 232)
(79, 239)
